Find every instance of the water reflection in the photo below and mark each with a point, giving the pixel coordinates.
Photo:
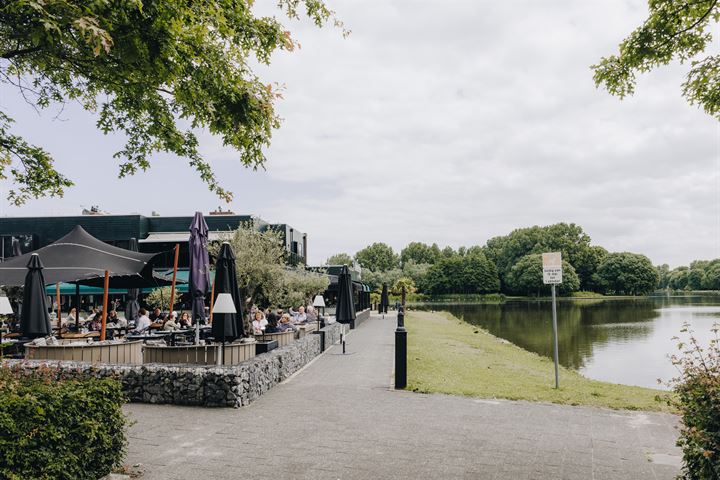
(623, 341)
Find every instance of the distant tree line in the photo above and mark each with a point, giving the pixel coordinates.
(700, 275)
(512, 264)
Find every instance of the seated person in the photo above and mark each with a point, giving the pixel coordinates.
(286, 324)
(70, 319)
(96, 323)
(170, 323)
(157, 315)
(112, 317)
(92, 315)
(259, 323)
(272, 324)
(312, 316)
(184, 321)
(300, 316)
(142, 324)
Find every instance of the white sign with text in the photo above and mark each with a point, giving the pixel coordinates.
(552, 268)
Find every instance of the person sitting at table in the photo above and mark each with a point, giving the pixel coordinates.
(157, 315)
(92, 316)
(286, 324)
(70, 319)
(259, 323)
(112, 317)
(272, 324)
(299, 316)
(96, 323)
(184, 321)
(170, 323)
(312, 315)
(143, 322)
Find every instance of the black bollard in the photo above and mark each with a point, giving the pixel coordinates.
(401, 351)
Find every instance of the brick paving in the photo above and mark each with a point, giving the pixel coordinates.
(339, 419)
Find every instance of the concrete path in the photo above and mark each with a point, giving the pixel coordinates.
(339, 419)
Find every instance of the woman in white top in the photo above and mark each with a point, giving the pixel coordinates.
(259, 323)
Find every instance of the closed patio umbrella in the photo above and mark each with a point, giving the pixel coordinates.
(345, 311)
(384, 300)
(199, 267)
(227, 326)
(35, 320)
(132, 307)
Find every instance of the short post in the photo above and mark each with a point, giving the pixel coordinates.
(400, 351)
(555, 337)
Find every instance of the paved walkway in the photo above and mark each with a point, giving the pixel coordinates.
(338, 419)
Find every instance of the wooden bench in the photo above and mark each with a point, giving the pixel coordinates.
(126, 352)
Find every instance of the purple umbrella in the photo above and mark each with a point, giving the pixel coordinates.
(199, 267)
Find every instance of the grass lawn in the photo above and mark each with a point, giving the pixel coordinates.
(447, 355)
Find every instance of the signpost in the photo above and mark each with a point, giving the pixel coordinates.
(552, 275)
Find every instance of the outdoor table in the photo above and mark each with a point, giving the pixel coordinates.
(146, 337)
(71, 336)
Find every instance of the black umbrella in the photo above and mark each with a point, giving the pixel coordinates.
(78, 257)
(227, 326)
(35, 321)
(345, 311)
(199, 267)
(384, 300)
(132, 307)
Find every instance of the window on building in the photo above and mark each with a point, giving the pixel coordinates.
(6, 244)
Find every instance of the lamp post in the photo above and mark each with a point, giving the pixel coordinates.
(319, 302)
(5, 309)
(223, 304)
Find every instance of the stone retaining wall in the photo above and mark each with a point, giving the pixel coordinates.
(231, 386)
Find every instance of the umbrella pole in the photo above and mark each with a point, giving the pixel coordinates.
(77, 307)
(212, 298)
(175, 267)
(57, 299)
(105, 305)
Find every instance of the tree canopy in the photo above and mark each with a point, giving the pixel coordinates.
(419, 252)
(146, 67)
(339, 259)
(628, 273)
(377, 257)
(526, 277)
(674, 30)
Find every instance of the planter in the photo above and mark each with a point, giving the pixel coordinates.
(199, 354)
(283, 338)
(116, 353)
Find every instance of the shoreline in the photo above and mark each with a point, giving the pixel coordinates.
(448, 355)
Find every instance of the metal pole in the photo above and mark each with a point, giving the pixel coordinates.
(103, 324)
(400, 351)
(77, 307)
(555, 337)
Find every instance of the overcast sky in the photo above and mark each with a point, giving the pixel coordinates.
(440, 121)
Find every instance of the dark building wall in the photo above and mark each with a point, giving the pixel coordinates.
(182, 224)
(116, 229)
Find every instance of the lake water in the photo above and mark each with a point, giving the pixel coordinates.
(616, 340)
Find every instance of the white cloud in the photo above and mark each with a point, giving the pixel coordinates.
(450, 122)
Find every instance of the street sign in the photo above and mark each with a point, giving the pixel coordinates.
(552, 268)
(552, 274)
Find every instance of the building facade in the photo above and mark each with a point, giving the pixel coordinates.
(154, 233)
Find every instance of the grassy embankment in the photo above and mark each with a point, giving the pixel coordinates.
(447, 355)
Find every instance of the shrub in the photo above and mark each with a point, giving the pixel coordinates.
(67, 429)
(697, 398)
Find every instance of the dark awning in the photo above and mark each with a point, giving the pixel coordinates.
(78, 257)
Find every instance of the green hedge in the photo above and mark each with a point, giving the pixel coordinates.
(67, 429)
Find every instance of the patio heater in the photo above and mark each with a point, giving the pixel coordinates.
(319, 302)
(223, 304)
(5, 309)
